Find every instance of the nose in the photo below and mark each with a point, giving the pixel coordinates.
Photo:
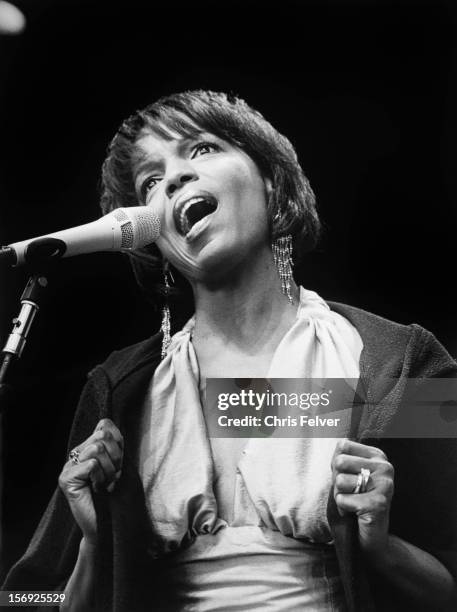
(179, 177)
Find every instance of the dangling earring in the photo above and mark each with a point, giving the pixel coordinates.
(165, 327)
(282, 254)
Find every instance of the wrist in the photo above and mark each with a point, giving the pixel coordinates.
(380, 557)
(87, 547)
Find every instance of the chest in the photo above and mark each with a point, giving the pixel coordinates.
(233, 364)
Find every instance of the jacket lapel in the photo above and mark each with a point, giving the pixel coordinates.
(128, 532)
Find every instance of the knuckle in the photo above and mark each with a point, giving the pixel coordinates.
(342, 445)
(340, 462)
(93, 465)
(90, 450)
(380, 502)
(107, 428)
(340, 480)
(341, 501)
(99, 447)
(389, 469)
(104, 434)
(390, 489)
(388, 486)
(380, 453)
(104, 423)
(384, 469)
(62, 481)
(116, 435)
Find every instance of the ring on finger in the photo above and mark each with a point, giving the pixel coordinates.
(358, 484)
(74, 456)
(362, 481)
(365, 477)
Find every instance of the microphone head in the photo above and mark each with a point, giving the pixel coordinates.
(12, 21)
(139, 226)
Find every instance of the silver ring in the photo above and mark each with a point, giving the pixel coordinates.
(74, 456)
(362, 481)
(365, 473)
(358, 484)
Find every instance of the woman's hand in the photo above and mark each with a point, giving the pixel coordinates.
(96, 465)
(372, 507)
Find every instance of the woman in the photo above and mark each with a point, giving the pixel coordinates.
(151, 513)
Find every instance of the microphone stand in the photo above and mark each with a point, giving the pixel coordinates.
(12, 351)
(30, 304)
(42, 252)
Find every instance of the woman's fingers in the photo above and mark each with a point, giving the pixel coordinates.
(346, 483)
(347, 468)
(107, 433)
(370, 504)
(366, 494)
(74, 482)
(96, 461)
(103, 471)
(350, 457)
(352, 465)
(95, 464)
(76, 477)
(107, 456)
(349, 447)
(108, 425)
(105, 446)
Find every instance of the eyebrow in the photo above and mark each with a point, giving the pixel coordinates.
(145, 161)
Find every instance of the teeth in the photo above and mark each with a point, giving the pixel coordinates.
(193, 201)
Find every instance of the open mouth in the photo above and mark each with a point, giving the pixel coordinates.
(192, 211)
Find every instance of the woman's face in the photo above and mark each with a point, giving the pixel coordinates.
(211, 200)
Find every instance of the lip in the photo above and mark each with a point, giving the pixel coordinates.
(182, 201)
(199, 227)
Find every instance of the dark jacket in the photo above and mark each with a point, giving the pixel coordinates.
(423, 512)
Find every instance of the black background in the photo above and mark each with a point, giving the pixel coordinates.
(365, 90)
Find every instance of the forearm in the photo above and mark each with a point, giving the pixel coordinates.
(415, 571)
(79, 592)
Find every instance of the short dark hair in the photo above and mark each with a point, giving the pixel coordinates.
(292, 205)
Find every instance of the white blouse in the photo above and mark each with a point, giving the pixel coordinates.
(278, 547)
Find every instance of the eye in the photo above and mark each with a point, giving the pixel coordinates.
(149, 184)
(202, 148)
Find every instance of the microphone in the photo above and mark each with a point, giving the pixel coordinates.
(123, 229)
(12, 21)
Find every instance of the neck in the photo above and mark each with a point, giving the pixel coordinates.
(248, 312)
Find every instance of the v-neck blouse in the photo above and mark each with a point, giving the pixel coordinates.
(277, 550)
(282, 484)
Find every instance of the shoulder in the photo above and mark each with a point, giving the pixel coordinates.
(389, 346)
(112, 384)
(121, 363)
(369, 324)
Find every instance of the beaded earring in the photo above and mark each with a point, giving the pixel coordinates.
(282, 255)
(165, 327)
